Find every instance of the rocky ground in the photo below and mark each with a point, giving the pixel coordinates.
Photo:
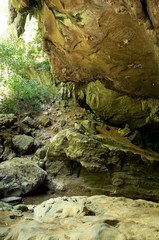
(74, 218)
(61, 152)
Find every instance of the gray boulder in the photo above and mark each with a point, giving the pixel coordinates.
(23, 143)
(29, 121)
(20, 176)
(8, 152)
(7, 119)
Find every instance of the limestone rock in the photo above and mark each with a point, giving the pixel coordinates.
(119, 109)
(5, 206)
(92, 218)
(8, 153)
(89, 125)
(1, 149)
(45, 121)
(60, 208)
(19, 176)
(23, 143)
(28, 120)
(41, 152)
(12, 200)
(71, 145)
(7, 119)
(105, 164)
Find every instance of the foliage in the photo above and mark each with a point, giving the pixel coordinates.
(24, 94)
(16, 57)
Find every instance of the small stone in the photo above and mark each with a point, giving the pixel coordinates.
(125, 131)
(21, 207)
(41, 152)
(15, 215)
(12, 200)
(89, 125)
(45, 121)
(63, 122)
(46, 112)
(43, 136)
(87, 190)
(3, 231)
(59, 114)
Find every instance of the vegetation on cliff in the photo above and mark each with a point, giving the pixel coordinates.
(19, 89)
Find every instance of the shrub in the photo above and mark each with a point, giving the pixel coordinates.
(24, 94)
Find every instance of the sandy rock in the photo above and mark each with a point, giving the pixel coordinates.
(92, 218)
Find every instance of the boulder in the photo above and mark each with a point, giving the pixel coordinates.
(1, 149)
(23, 143)
(29, 121)
(44, 120)
(7, 119)
(114, 166)
(20, 176)
(92, 218)
(8, 152)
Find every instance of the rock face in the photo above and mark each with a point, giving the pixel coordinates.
(107, 52)
(92, 218)
(19, 176)
(112, 41)
(104, 163)
(119, 109)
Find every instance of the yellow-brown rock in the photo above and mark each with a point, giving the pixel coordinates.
(114, 41)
